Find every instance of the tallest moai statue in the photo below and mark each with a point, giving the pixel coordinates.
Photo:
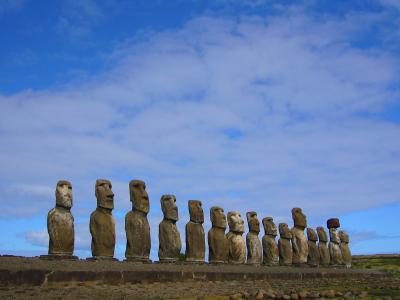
(60, 222)
(138, 242)
(299, 242)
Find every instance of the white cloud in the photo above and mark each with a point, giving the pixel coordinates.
(390, 3)
(360, 236)
(37, 238)
(257, 114)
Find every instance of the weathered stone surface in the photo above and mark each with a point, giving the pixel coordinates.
(102, 223)
(168, 234)
(285, 245)
(270, 247)
(299, 240)
(345, 249)
(60, 222)
(313, 251)
(333, 223)
(217, 241)
(138, 241)
(253, 243)
(17, 273)
(237, 245)
(334, 248)
(325, 257)
(195, 237)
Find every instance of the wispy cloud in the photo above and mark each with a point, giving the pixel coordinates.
(360, 236)
(391, 3)
(251, 114)
(78, 18)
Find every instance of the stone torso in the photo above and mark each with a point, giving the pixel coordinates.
(60, 226)
(169, 241)
(285, 252)
(218, 245)
(300, 246)
(270, 251)
(138, 242)
(254, 249)
(325, 258)
(313, 254)
(334, 247)
(335, 253)
(102, 229)
(346, 254)
(195, 242)
(237, 248)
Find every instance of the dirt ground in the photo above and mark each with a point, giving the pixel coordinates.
(385, 287)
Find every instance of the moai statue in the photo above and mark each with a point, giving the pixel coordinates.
(102, 223)
(325, 257)
(344, 247)
(270, 247)
(237, 245)
(195, 237)
(285, 245)
(334, 243)
(254, 250)
(60, 223)
(138, 242)
(313, 251)
(217, 242)
(299, 241)
(168, 234)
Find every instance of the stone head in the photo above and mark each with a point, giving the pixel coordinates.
(299, 219)
(269, 226)
(235, 222)
(104, 194)
(312, 235)
(139, 196)
(322, 236)
(217, 216)
(334, 235)
(284, 231)
(169, 208)
(333, 223)
(344, 237)
(64, 194)
(252, 221)
(196, 211)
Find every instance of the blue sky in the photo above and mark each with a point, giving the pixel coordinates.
(251, 105)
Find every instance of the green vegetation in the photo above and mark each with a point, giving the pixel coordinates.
(390, 264)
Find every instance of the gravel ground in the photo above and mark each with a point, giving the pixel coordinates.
(194, 289)
(359, 281)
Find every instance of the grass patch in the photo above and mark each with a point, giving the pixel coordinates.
(391, 264)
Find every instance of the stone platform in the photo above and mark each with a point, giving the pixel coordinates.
(36, 272)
